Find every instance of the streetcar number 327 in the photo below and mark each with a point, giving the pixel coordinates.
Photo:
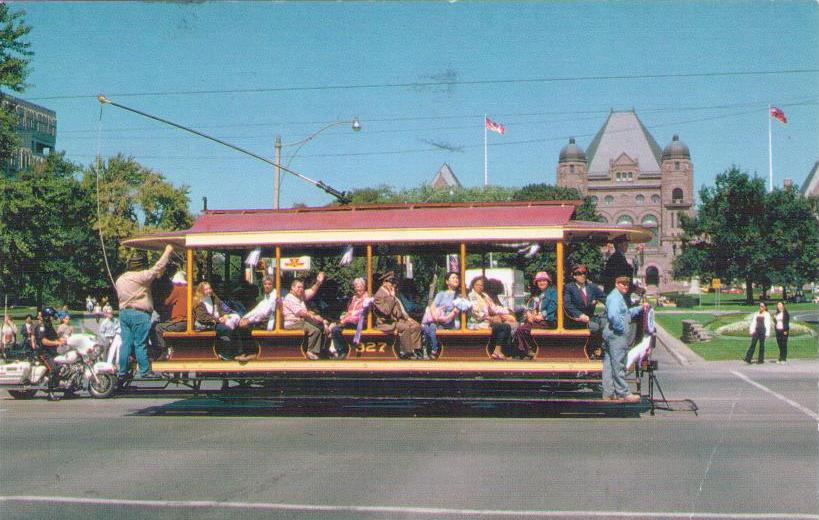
(372, 346)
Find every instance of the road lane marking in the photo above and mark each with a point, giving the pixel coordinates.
(431, 511)
(807, 411)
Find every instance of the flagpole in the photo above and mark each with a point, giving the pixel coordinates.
(770, 152)
(485, 155)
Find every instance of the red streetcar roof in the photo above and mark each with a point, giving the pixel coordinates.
(399, 216)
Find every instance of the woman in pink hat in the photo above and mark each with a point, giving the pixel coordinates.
(541, 313)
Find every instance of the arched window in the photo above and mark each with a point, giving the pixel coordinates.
(604, 219)
(677, 195)
(625, 219)
(652, 275)
(571, 168)
(650, 221)
(641, 199)
(594, 199)
(609, 199)
(655, 199)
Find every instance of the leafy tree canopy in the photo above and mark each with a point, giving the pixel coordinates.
(14, 60)
(742, 233)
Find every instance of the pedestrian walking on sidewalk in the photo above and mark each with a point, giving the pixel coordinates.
(759, 328)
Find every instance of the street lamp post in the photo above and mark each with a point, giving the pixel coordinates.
(354, 124)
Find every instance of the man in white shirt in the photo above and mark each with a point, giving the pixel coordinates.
(297, 316)
(264, 313)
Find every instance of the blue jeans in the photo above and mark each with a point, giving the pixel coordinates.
(615, 350)
(134, 328)
(429, 332)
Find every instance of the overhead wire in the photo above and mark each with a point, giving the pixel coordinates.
(417, 84)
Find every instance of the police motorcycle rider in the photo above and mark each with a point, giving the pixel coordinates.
(49, 345)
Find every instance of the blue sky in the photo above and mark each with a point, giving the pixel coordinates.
(545, 70)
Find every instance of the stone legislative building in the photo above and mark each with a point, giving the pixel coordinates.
(634, 181)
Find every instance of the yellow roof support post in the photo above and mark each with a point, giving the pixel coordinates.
(463, 282)
(370, 283)
(559, 284)
(189, 311)
(278, 287)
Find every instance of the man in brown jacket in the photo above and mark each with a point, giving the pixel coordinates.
(390, 316)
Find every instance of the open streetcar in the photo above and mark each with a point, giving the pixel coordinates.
(378, 234)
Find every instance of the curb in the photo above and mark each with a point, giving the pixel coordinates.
(678, 350)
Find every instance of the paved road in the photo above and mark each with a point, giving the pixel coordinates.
(750, 453)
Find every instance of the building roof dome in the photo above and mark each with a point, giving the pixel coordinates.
(572, 152)
(676, 149)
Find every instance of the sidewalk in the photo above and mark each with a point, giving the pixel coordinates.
(678, 350)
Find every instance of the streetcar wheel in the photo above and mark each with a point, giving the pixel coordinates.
(22, 394)
(103, 387)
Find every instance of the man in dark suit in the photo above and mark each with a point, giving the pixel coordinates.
(580, 298)
(617, 265)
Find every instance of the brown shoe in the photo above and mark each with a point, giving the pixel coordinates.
(632, 398)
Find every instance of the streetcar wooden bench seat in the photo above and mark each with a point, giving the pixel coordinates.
(193, 334)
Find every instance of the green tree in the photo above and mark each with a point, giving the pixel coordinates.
(48, 241)
(14, 61)
(792, 239)
(133, 200)
(727, 239)
(51, 251)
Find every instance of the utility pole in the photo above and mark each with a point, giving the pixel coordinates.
(278, 178)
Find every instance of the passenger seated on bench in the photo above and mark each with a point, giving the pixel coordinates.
(352, 317)
(391, 317)
(173, 312)
(485, 314)
(297, 316)
(442, 313)
(263, 315)
(541, 313)
(580, 298)
(210, 313)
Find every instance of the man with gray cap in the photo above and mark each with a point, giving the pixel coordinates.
(135, 308)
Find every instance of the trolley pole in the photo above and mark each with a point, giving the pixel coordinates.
(278, 176)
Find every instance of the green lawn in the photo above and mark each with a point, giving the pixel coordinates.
(724, 347)
(736, 302)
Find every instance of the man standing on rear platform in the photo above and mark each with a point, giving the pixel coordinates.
(391, 317)
(136, 305)
(615, 343)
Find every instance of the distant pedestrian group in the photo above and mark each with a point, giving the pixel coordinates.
(760, 326)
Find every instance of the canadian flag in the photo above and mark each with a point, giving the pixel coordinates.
(497, 127)
(779, 114)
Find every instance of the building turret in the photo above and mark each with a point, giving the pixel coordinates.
(676, 149)
(571, 168)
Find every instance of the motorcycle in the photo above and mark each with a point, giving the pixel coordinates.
(80, 367)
